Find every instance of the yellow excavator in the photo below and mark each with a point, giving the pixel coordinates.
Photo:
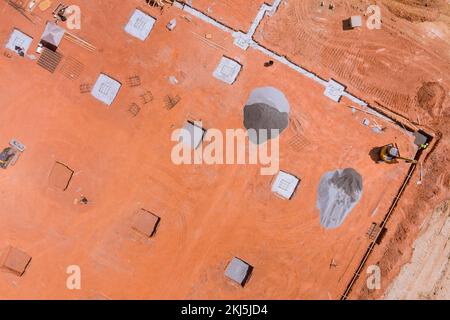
(390, 154)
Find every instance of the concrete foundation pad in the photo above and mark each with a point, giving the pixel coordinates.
(334, 90)
(19, 39)
(106, 89)
(192, 135)
(238, 271)
(227, 70)
(285, 185)
(140, 25)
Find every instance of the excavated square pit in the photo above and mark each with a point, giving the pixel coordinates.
(145, 222)
(60, 176)
(16, 261)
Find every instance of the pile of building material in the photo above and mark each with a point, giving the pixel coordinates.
(49, 60)
(338, 193)
(266, 114)
(79, 42)
(52, 36)
(71, 68)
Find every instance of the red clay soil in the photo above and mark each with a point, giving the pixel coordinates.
(386, 67)
(403, 67)
(209, 214)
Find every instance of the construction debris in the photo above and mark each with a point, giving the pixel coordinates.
(60, 12)
(134, 81)
(45, 4)
(79, 42)
(85, 87)
(52, 36)
(134, 109)
(146, 97)
(159, 3)
(49, 60)
(19, 7)
(171, 101)
(31, 5)
(172, 24)
(71, 68)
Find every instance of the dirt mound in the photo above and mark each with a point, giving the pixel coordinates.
(416, 10)
(430, 98)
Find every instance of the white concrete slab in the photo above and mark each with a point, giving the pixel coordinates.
(242, 40)
(140, 25)
(334, 90)
(237, 270)
(106, 89)
(192, 135)
(285, 185)
(20, 39)
(355, 21)
(227, 70)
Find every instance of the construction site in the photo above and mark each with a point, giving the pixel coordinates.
(92, 92)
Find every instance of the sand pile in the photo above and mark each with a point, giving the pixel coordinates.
(339, 191)
(267, 109)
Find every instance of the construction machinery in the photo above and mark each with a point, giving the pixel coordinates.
(390, 154)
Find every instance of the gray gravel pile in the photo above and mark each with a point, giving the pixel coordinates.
(338, 193)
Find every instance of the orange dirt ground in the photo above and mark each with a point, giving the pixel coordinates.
(208, 213)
